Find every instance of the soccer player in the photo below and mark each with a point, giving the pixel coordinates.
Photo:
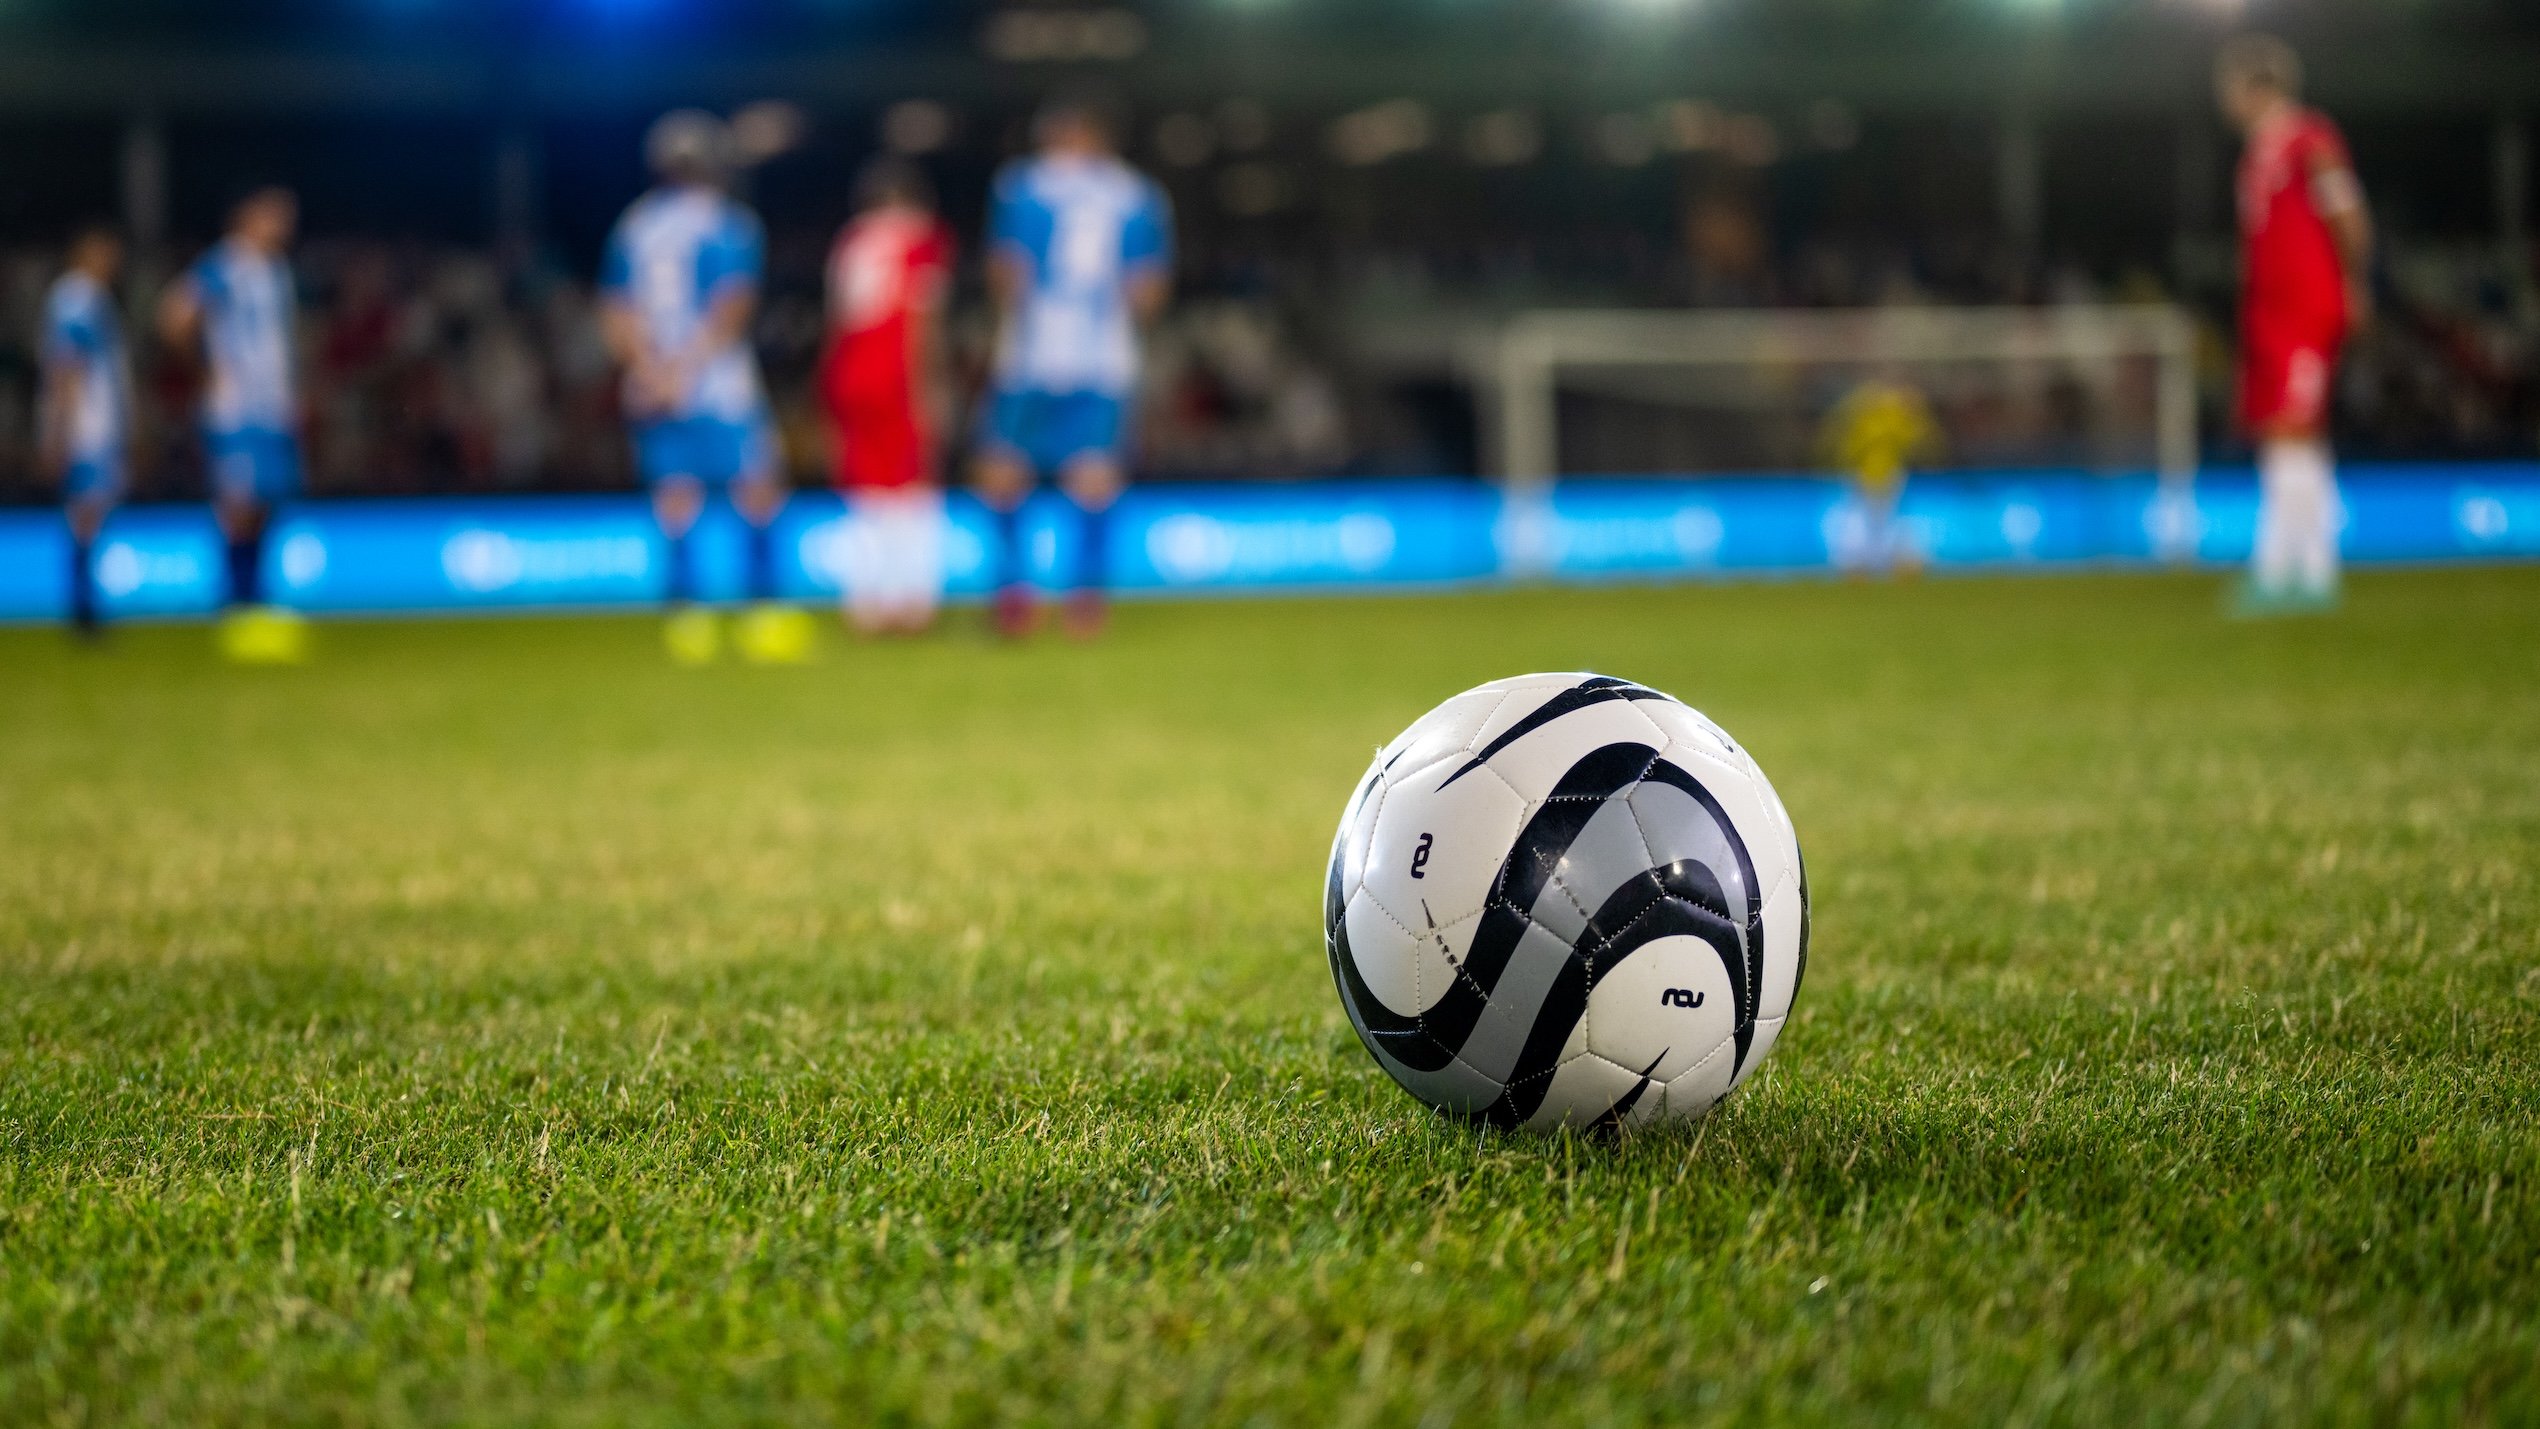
(679, 285)
(238, 303)
(2306, 250)
(1877, 434)
(87, 405)
(1079, 255)
(887, 275)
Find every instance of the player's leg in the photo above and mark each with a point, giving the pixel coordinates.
(1093, 483)
(91, 491)
(2282, 519)
(2293, 561)
(758, 493)
(665, 460)
(1001, 472)
(865, 545)
(1093, 477)
(2321, 571)
(238, 506)
(2314, 471)
(665, 457)
(914, 522)
(746, 465)
(678, 501)
(253, 473)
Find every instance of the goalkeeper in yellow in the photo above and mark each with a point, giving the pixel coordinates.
(1876, 435)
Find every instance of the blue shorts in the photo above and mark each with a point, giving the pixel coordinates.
(707, 449)
(1048, 430)
(258, 464)
(95, 479)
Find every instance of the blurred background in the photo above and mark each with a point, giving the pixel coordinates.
(1364, 188)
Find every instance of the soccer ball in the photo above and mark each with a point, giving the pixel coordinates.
(1566, 899)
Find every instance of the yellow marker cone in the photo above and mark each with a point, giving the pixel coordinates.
(778, 635)
(692, 637)
(264, 635)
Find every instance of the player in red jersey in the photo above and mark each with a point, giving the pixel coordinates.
(887, 276)
(2306, 251)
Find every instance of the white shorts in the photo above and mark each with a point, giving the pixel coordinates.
(895, 549)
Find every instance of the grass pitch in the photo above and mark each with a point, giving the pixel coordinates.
(490, 1023)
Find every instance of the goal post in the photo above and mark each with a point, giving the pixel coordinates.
(1531, 352)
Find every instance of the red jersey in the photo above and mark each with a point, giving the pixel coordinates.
(2292, 275)
(886, 273)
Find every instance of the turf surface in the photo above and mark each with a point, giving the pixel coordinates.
(491, 1023)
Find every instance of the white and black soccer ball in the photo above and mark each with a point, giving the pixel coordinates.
(1566, 899)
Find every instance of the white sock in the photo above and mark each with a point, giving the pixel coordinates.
(2297, 518)
(2316, 557)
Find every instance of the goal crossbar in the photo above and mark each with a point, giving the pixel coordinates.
(1531, 348)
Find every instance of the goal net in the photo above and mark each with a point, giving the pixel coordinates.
(2110, 388)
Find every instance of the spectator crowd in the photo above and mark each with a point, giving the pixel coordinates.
(455, 369)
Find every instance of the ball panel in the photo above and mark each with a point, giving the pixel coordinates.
(1533, 759)
(1434, 854)
(1675, 827)
(1691, 729)
(1357, 832)
(1540, 681)
(1767, 1032)
(1587, 1090)
(1698, 1088)
(1728, 782)
(1781, 951)
(1665, 1006)
(1516, 1003)
(1451, 728)
(1349, 854)
(1607, 853)
(1388, 954)
(1454, 1087)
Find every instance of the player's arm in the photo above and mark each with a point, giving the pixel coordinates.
(622, 332)
(731, 281)
(2339, 196)
(1147, 251)
(622, 327)
(1012, 220)
(727, 319)
(64, 379)
(925, 343)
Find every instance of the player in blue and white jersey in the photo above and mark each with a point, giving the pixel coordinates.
(680, 284)
(87, 407)
(1079, 257)
(239, 304)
